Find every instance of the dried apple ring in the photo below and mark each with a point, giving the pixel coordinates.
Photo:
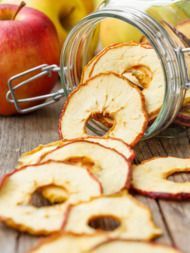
(150, 178)
(113, 95)
(114, 143)
(68, 243)
(123, 215)
(142, 62)
(88, 68)
(124, 246)
(17, 188)
(104, 163)
(35, 155)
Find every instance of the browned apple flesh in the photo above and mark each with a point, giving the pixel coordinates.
(68, 243)
(107, 93)
(138, 62)
(124, 213)
(104, 163)
(124, 246)
(150, 178)
(18, 187)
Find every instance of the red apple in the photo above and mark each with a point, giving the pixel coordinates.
(28, 39)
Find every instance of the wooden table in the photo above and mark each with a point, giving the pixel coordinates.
(19, 134)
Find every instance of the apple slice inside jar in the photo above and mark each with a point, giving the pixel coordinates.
(138, 62)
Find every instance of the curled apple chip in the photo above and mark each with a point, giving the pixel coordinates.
(18, 187)
(68, 243)
(114, 143)
(142, 63)
(150, 178)
(119, 216)
(33, 156)
(112, 95)
(104, 163)
(123, 246)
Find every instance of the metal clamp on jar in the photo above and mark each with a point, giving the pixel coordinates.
(171, 50)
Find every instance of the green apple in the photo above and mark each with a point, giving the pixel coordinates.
(64, 14)
(117, 31)
(184, 5)
(169, 13)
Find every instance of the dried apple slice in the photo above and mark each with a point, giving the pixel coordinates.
(33, 156)
(116, 144)
(136, 59)
(57, 194)
(150, 178)
(103, 162)
(123, 246)
(17, 188)
(86, 70)
(123, 215)
(111, 94)
(68, 243)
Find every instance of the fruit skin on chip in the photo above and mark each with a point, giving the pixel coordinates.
(150, 178)
(135, 220)
(124, 246)
(107, 93)
(104, 163)
(17, 188)
(128, 57)
(68, 243)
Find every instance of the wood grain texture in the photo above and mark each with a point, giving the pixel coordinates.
(20, 134)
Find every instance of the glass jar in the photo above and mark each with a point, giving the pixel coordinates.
(172, 50)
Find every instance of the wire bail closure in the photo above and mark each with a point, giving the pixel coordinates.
(51, 98)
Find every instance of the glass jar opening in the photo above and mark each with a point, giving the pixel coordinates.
(78, 48)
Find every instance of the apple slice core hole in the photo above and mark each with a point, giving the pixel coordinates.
(179, 177)
(139, 75)
(37, 200)
(104, 223)
(104, 119)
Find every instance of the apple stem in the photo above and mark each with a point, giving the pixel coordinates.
(22, 4)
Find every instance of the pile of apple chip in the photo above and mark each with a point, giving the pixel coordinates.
(87, 181)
